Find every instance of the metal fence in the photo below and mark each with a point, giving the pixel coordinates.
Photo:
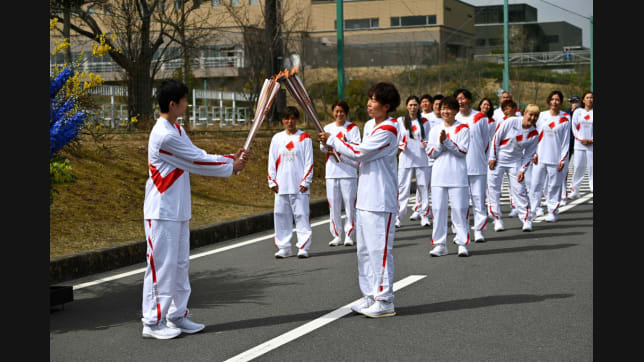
(557, 58)
(207, 108)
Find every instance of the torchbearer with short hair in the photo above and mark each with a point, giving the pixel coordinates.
(377, 201)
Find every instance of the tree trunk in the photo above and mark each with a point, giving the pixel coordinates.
(66, 30)
(140, 103)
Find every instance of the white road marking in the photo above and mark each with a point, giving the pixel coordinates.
(569, 205)
(311, 326)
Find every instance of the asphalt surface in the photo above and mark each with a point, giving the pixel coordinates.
(519, 296)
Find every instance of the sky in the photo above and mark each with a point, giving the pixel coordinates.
(547, 12)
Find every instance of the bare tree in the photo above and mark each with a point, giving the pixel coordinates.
(267, 37)
(137, 40)
(185, 28)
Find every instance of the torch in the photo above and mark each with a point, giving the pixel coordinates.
(298, 92)
(264, 103)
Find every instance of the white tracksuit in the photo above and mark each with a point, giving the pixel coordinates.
(429, 121)
(166, 212)
(554, 137)
(512, 148)
(582, 128)
(376, 206)
(341, 181)
(497, 118)
(450, 181)
(412, 160)
(290, 165)
(477, 165)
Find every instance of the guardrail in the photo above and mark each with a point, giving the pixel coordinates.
(539, 58)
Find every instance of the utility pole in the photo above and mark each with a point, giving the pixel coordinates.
(506, 65)
(591, 54)
(275, 51)
(340, 31)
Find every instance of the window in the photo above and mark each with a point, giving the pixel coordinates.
(253, 2)
(494, 42)
(368, 23)
(216, 3)
(480, 42)
(234, 2)
(418, 20)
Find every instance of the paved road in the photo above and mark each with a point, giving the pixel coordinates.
(519, 296)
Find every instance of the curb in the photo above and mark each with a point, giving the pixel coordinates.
(82, 264)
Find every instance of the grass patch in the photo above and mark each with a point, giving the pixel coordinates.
(104, 206)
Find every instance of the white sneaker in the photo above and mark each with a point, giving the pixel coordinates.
(455, 240)
(348, 241)
(527, 226)
(539, 212)
(514, 212)
(336, 241)
(283, 253)
(160, 331)
(478, 237)
(379, 309)
(424, 221)
(414, 216)
(397, 222)
(302, 253)
(574, 195)
(439, 250)
(365, 302)
(462, 251)
(185, 325)
(551, 217)
(562, 202)
(498, 225)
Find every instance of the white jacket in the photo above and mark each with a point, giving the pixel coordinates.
(582, 128)
(450, 164)
(554, 137)
(290, 162)
(514, 146)
(346, 168)
(378, 180)
(479, 141)
(171, 159)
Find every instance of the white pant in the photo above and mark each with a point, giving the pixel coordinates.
(339, 191)
(166, 287)
(478, 184)
(417, 206)
(542, 175)
(582, 161)
(518, 192)
(564, 179)
(404, 186)
(287, 207)
(375, 232)
(459, 202)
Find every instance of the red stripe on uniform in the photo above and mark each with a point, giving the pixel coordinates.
(386, 127)
(307, 174)
(166, 152)
(459, 128)
(277, 163)
(384, 258)
(532, 133)
(178, 127)
(232, 157)
(504, 142)
(163, 183)
(350, 126)
(478, 117)
(520, 137)
(207, 163)
(304, 136)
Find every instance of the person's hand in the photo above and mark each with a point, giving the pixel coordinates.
(535, 159)
(275, 189)
(238, 165)
(303, 189)
(244, 154)
(560, 167)
(442, 137)
(324, 137)
(424, 143)
(520, 177)
(492, 164)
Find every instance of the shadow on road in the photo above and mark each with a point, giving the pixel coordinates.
(480, 302)
(116, 303)
(520, 249)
